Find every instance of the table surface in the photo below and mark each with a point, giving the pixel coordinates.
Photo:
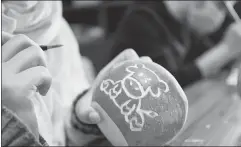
(214, 116)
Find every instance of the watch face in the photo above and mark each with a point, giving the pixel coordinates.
(142, 102)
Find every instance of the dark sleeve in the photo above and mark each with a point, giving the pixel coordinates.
(16, 133)
(187, 75)
(141, 31)
(138, 31)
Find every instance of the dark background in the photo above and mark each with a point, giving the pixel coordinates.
(102, 14)
(105, 15)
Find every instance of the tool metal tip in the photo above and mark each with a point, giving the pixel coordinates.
(55, 46)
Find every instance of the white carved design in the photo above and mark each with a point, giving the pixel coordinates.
(114, 88)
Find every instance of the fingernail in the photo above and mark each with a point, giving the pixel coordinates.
(94, 117)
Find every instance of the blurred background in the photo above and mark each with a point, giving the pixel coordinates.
(93, 23)
(214, 105)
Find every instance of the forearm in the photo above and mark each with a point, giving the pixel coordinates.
(214, 59)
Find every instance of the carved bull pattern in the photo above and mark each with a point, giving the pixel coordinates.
(137, 84)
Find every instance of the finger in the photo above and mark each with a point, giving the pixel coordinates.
(28, 58)
(5, 37)
(36, 77)
(128, 54)
(15, 45)
(146, 58)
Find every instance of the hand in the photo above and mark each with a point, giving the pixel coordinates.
(232, 39)
(85, 112)
(24, 73)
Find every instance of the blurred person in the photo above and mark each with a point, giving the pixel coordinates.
(192, 39)
(46, 97)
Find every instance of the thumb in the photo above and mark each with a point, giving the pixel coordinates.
(88, 115)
